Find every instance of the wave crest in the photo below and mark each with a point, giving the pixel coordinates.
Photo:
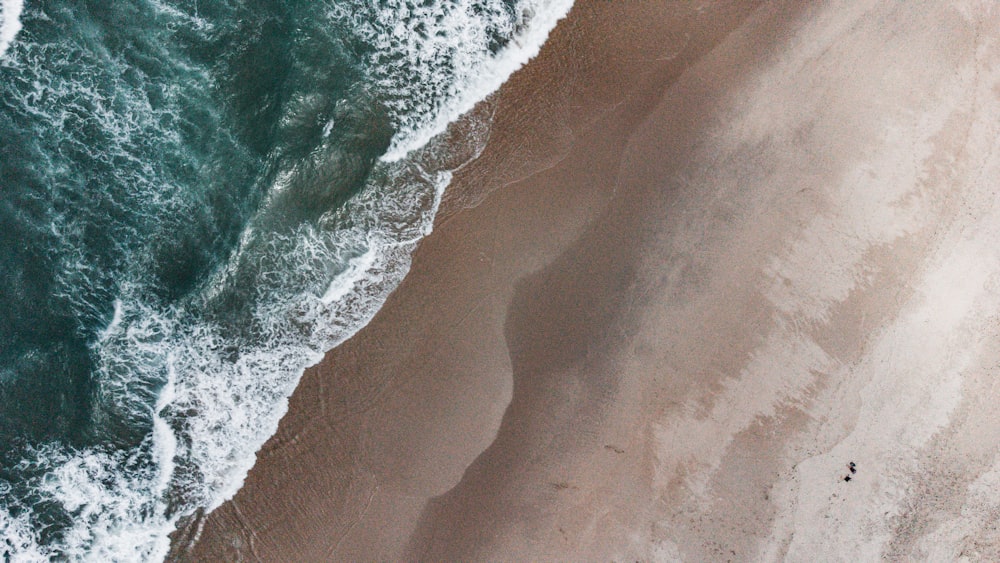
(10, 23)
(434, 61)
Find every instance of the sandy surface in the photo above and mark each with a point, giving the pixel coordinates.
(713, 253)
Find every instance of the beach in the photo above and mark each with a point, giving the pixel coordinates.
(722, 286)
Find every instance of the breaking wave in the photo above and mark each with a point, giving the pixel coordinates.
(10, 23)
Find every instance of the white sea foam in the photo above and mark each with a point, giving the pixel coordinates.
(116, 319)
(356, 270)
(215, 411)
(164, 439)
(115, 516)
(438, 59)
(10, 23)
(17, 539)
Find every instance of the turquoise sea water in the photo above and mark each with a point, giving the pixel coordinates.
(197, 200)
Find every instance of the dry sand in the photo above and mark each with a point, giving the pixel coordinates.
(713, 253)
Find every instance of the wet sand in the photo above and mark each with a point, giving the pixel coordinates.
(712, 254)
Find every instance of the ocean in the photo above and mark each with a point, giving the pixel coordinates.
(198, 199)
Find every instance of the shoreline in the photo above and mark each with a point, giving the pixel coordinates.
(707, 259)
(553, 111)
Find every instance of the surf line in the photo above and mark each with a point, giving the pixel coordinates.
(10, 23)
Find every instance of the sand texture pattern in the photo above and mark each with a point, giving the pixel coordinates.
(723, 286)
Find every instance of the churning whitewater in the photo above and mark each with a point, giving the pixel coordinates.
(197, 202)
(10, 23)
